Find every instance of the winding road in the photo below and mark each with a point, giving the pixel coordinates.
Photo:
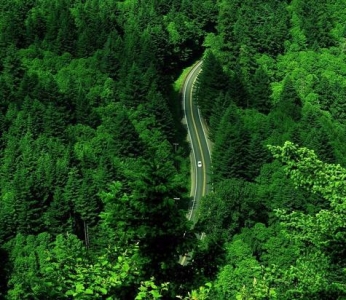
(200, 175)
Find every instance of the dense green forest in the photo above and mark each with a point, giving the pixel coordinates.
(273, 92)
(90, 165)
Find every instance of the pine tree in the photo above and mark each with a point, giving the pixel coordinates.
(14, 71)
(290, 103)
(143, 210)
(87, 204)
(230, 152)
(133, 87)
(126, 138)
(111, 56)
(57, 218)
(316, 23)
(211, 82)
(228, 15)
(70, 194)
(260, 91)
(36, 26)
(237, 90)
(163, 116)
(219, 106)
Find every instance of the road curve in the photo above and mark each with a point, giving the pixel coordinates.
(198, 140)
(199, 145)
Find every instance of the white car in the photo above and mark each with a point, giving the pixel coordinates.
(199, 164)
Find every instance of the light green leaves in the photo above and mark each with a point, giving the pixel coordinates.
(306, 170)
(149, 290)
(322, 235)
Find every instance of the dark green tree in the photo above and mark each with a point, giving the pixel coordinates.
(230, 151)
(163, 116)
(144, 211)
(231, 207)
(219, 106)
(133, 86)
(36, 26)
(115, 121)
(260, 91)
(289, 103)
(211, 82)
(111, 55)
(316, 23)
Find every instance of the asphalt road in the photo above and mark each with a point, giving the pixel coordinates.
(198, 140)
(199, 146)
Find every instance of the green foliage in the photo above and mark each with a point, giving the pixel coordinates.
(200, 294)
(284, 62)
(211, 82)
(149, 290)
(99, 277)
(242, 277)
(88, 166)
(85, 102)
(323, 232)
(232, 207)
(230, 152)
(315, 23)
(308, 171)
(63, 269)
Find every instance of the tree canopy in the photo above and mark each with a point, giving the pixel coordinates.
(94, 153)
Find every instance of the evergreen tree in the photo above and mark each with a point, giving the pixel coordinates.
(163, 116)
(36, 26)
(229, 48)
(144, 211)
(260, 91)
(231, 207)
(110, 60)
(230, 152)
(133, 86)
(316, 23)
(13, 15)
(86, 205)
(290, 103)
(126, 139)
(238, 92)
(219, 106)
(13, 70)
(211, 82)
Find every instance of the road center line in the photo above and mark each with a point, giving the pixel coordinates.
(198, 138)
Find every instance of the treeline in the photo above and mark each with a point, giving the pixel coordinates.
(274, 72)
(88, 165)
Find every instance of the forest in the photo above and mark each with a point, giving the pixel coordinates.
(94, 154)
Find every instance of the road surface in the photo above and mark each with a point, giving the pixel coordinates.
(199, 145)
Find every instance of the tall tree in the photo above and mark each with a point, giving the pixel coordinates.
(260, 91)
(219, 106)
(144, 210)
(159, 108)
(211, 82)
(289, 105)
(230, 152)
